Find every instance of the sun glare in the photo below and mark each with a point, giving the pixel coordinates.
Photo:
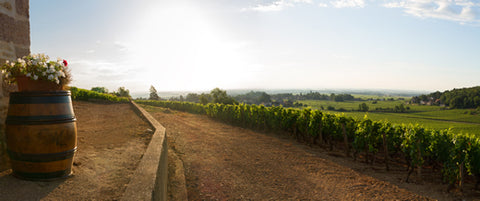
(179, 47)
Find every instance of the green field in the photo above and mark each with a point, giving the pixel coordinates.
(350, 105)
(460, 120)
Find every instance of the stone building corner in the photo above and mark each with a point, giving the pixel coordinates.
(14, 43)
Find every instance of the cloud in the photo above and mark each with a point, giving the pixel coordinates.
(462, 11)
(348, 3)
(303, 1)
(90, 73)
(122, 46)
(278, 5)
(322, 5)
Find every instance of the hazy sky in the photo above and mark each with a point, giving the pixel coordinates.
(270, 44)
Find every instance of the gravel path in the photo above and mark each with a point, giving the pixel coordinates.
(111, 141)
(224, 162)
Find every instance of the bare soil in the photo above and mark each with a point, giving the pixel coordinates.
(111, 141)
(224, 162)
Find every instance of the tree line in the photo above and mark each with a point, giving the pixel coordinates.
(287, 100)
(95, 96)
(215, 96)
(456, 98)
(218, 95)
(121, 91)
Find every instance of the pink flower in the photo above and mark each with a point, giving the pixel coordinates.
(65, 62)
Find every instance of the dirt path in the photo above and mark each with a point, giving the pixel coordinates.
(111, 141)
(226, 162)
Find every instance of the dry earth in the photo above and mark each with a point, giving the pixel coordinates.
(224, 162)
(111, 142)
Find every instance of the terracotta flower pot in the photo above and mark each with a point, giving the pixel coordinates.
(24, 83)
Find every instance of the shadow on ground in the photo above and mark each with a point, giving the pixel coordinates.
(12, 188)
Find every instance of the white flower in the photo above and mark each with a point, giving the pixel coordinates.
(60, 74)
(50, 77)
(57, 81)
(44, 73)
(35, 77)
(28, 74)
(22, 62)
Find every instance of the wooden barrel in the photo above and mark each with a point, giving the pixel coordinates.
(41, 134)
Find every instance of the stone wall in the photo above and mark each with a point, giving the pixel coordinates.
(14, 43)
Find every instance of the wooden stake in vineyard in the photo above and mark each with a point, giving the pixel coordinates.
(461, 175)
(320, 135)
(385, 149)
(345, 140)
(419, 155)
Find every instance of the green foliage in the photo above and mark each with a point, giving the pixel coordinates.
(192, 97)
(456, 98)
(341, 97)
(87, 95)
(363, 107)
(435, 117)
(254, 97)
(368, 136)
(122, 92)
(153, 94)
(100, 89)
(204, 98)
(415, 143)
(220, 96)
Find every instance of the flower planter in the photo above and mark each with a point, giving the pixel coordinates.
(41, 134)
(36, 72)
(25, 83)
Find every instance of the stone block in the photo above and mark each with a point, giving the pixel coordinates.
(7, 7)
(6, 55)
(22, 33)
(21, 51)
(7, 31)
(14, 43)
(5, 46)
(7, 51)
(22, 7)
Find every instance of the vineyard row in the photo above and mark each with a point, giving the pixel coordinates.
(456, 154)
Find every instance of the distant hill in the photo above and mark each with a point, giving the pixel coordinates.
(235, 92)
(456, 98)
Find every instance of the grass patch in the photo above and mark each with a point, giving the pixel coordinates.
(436, 117)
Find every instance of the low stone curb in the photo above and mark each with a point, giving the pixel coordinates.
(149, 181)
